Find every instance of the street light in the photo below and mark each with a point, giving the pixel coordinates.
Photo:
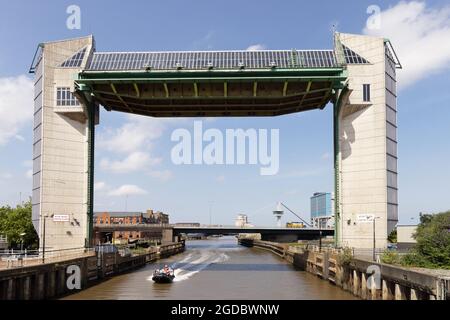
(21, 241)
(42, 219)
(374, 238)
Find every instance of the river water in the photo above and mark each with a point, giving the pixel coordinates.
(218, 269)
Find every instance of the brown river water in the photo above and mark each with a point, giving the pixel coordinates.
(218, 269)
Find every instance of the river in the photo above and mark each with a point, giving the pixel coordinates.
(218, 269)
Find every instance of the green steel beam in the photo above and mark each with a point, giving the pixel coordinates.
(308, 88)
(166, 89)
(337, 204)
(195, 90)
(113, 87)
(285, 87)
(224, 104)
(91, 151)
(255, 88)
(208, 73)
(225, 89)
(123, 95)
(336, 79)
(138, 93)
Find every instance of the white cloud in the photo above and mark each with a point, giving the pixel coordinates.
(127, 189)
(135, 135)
(29, 173)
(420, 36)
(16, 106)
(163, 175)
(19, 137)
(256, 47)
(204, 42)
(136, 161)
(98, 186)
(134, 142)
(6, 175)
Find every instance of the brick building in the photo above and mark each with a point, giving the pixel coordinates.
(149, 217)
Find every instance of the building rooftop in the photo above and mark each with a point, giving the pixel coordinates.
(119, 213)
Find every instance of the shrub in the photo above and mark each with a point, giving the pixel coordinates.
(390, 257)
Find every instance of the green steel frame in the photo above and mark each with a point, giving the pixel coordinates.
(88, 79)
(337, 107)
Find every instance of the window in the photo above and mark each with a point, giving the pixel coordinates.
(65, 98)
(366, 92)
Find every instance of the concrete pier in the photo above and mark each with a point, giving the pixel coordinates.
(387, 282)
(49, 281)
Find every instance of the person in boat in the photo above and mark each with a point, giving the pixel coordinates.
(166, 269)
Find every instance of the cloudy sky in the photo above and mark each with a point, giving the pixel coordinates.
(133, 165)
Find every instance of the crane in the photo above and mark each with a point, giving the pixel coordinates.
(306, 223)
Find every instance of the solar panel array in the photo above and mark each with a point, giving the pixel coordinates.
(199, 60)
(351, 57)
(75, 60)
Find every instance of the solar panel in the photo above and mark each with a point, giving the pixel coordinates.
(202, 60)
(75, 60)
(351, 57)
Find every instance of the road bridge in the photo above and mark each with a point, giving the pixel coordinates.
(267, 233)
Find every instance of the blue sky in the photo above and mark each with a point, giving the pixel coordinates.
(420, 31)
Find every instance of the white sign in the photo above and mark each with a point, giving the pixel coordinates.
(60, 217)
(365, 217)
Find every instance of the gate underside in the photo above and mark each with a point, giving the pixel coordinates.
(212, 93)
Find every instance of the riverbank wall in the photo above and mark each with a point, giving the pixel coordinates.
(365, 279)
(57, 279)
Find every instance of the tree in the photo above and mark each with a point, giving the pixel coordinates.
(17, 221)
(425, 217)
(392, 238)
(432, 249)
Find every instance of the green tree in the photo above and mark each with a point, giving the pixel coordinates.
(16, 224)
(432, 249)
(392, 238)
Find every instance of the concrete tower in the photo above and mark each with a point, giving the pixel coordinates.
(61, 145)
(366, 145)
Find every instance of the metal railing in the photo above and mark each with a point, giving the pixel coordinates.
(21, 258)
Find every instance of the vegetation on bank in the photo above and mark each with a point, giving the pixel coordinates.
(16, 224)
(432, 249)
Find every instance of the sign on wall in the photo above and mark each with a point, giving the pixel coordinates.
(365, 217)
(60, 218)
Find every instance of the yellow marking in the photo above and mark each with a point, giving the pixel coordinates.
(166, 89)
(138, 93)
(285, 87)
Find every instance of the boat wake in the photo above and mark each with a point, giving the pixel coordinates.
(195, 262)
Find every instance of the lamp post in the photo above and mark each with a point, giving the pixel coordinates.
(21, 241)
(374, 239)
(43, 240)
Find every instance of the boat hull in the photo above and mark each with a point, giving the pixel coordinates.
(162, 278)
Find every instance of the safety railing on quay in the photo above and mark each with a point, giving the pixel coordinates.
(12, 258)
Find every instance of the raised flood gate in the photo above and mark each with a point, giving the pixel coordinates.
(365, 279)
(51, 280)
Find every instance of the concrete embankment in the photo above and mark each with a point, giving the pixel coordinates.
(55, 279)
(365, 279)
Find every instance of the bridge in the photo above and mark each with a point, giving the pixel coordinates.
(73, 81)
(267, 233)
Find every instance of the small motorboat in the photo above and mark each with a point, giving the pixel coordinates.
(165, 275)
